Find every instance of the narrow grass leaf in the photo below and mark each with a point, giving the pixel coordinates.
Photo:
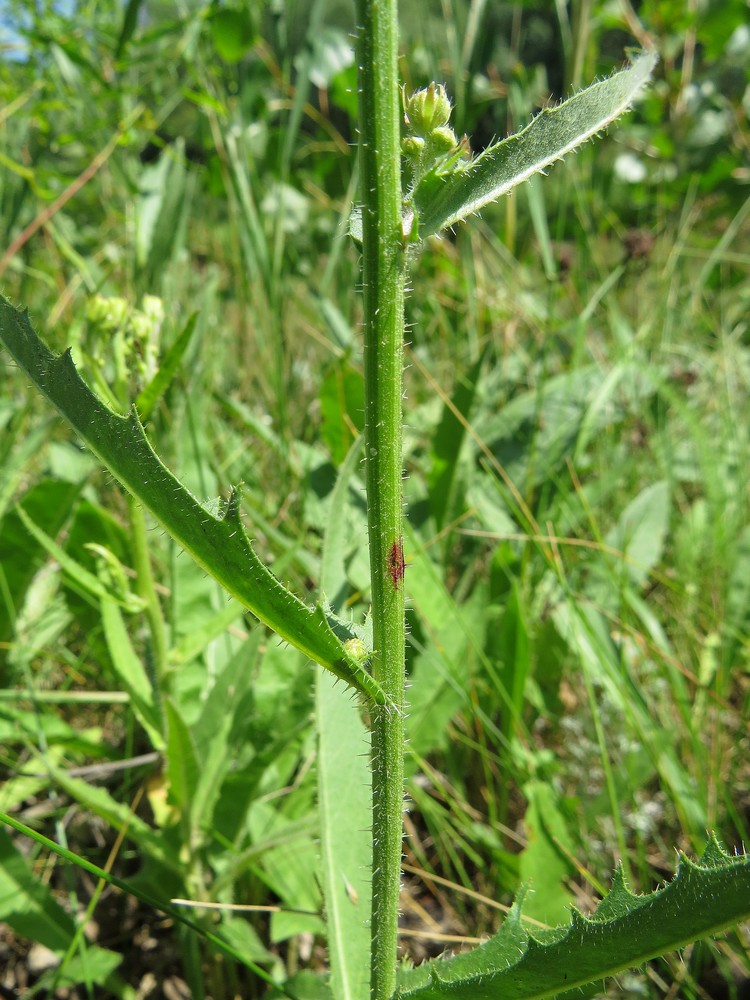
(446, 444)
(161, 214)
(174, 912)
(129, 24)
(737, 624)
(119, 816)
(150, 396)
(514, 654)
(587, 633)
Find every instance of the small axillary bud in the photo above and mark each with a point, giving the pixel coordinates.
(427, 110)
(357, 650)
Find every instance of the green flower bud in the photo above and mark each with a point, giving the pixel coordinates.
(357, 650)
(413, 146)
(442, 140)
(107, 312)
(427, 110)
(153, 307)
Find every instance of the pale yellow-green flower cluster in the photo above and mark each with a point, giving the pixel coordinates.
(122, 342)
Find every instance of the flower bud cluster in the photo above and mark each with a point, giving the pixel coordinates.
(125, 337)
(427, 114)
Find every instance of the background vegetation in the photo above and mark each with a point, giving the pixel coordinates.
(175, 188)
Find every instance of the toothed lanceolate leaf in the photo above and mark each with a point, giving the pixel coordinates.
(626, 930)
(219, 544)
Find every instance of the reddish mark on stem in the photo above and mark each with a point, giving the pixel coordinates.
(396, 564)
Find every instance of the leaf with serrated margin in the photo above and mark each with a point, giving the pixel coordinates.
(218, 544)
(445, 196)
(704, 898)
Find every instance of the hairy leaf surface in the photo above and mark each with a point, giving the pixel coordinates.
(626, 930)
(449, 193)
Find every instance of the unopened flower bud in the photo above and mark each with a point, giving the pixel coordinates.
(412, 146)
(108, 312)
(443, 140)
(427, 110)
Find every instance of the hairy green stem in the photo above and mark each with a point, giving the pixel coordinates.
(383, 279)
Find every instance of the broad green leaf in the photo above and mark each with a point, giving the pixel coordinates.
(287, 854)
(641, 531)
(544, 863)
(342, 402)
(305, 985)
(27, 904)
(334, 586)
(218, 544)
(131, 672)
(194, 643)
(232, 32)
(446, 668)
(534, 434)
(48, 504)
(17, 447)
(344, 782)
(182, 764)
(220, 734)
(332, 52)
(91, 967)
(704, 898)
(449, 193)
(344, 800)
(439, 683)
(244, 938)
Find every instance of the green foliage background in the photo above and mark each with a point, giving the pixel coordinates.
(578, 545)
